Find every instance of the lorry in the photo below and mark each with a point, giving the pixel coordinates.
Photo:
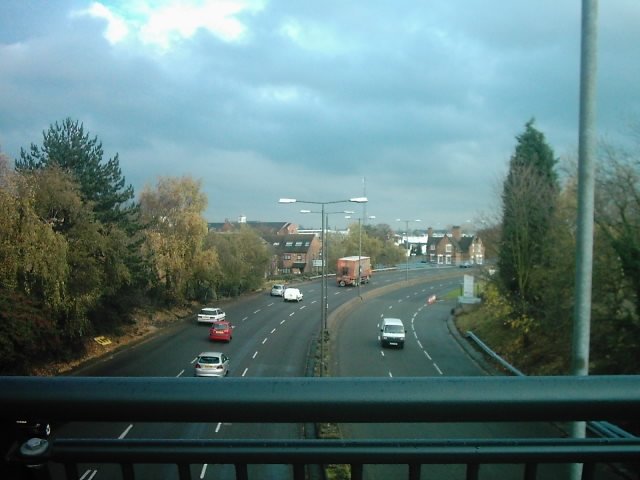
(347, 270)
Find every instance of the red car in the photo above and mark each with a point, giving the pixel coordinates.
(221, 330)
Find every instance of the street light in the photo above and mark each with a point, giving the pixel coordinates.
(323, 283)
(408, 244)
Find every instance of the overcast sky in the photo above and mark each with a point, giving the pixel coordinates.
(415, 104)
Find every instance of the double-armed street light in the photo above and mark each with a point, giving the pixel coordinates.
(408, 244)
(323, 283)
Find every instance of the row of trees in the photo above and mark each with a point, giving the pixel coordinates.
(78, 253)
(375, 241)
(534, 291)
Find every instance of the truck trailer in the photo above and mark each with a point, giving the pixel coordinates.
(347, 270)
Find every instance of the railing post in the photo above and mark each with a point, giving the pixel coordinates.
(414, 471)
(184, 471)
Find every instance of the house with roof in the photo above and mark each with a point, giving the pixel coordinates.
(295, 254)
(454, 248)
(292, 252)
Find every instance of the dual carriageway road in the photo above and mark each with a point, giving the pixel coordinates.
(273, 338)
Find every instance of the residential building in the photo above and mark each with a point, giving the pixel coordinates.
(454, 248)
(294, 253)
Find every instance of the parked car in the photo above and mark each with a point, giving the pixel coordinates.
(292, 295)
(212, 364)
(277, 290)
(210, 315)
(466, 265)
(222, 331)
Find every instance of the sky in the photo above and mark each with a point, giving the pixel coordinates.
(414, 104)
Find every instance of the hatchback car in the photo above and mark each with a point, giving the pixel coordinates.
(277, 290)
(221, 331)
(212, 364)
(210, 315)
(292, 295)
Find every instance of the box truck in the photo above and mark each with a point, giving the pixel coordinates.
(347, 270)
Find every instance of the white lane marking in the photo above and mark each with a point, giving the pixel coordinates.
(292, 314)
(180, 374)
(245, 371)
(314, 301)
(218, 427)
(382, 353)
(427, 354)
(88, 475)
(244, 318)
(303, 307)
(420, 344)
(265, 340)
(257, 311)
(272, 331)
(270, 304)
(255, 354)
(203, 471)
(390, 307)
(194, 360)
(390, 374)
(282, 322)
(437, 368)
(126, 432)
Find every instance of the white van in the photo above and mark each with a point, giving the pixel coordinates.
(392, 332)
(292, 295)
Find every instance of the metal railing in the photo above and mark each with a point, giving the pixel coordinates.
(315, 400)
(597, 427)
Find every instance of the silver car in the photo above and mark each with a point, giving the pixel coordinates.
(277, 290)
(212, 364)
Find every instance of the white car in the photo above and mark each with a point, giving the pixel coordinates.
(292, 295)
(210, 315)
(277, 290)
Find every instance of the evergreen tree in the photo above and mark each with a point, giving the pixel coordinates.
(529, 198)
(67, 146)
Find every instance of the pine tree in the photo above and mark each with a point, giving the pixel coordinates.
(529, 198)
(101, 183)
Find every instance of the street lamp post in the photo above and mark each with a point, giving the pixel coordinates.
(323, 289)
(408, 244)
(325, 256)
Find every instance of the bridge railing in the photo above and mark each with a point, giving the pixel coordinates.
(320, 400)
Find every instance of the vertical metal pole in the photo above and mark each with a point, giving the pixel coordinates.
(322, 293)
(586, 188)
(408, 253)
(326, 274)
(359, 255)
